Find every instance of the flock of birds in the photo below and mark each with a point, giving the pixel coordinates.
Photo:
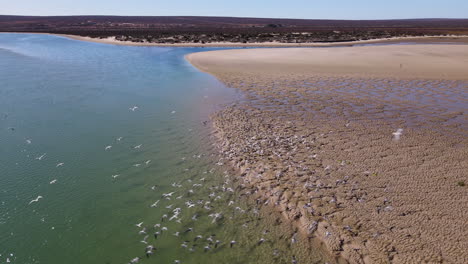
(179, 206)
(180, 200)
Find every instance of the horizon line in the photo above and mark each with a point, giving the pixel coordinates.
(246, 17)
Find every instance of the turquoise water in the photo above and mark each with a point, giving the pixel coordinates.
(62, 103)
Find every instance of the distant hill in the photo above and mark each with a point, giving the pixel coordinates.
(208, 24)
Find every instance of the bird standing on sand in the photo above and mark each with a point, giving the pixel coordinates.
(397, 134)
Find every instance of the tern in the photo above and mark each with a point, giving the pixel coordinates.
(139, 224)
(41, 157)
(137, 146)
(60, 164)
(108, 147)
(36, 200)
(53, 181)
(133, 108)
(168, 194)
(135, 260)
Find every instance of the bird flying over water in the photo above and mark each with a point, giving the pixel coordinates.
(108, 147)
(41, 157)
(133, 108)
(36, 200)
(53, 181)
(60, 164)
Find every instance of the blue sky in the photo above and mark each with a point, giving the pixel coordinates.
(319, 9)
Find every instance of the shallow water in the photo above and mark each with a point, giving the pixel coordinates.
(66, 101)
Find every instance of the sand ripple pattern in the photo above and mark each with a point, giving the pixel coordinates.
(321, 150)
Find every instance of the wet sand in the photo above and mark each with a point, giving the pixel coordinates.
(424, 39)
(314, 139)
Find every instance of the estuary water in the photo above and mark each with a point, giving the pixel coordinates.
(107, 150)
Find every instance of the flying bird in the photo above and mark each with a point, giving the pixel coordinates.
(36, 200)
(41, 157)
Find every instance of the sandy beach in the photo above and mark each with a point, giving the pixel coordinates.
(362, 148)
(399, 61)
(426, 39)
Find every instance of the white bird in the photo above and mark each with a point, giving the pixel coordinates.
(139, 224)
(28, 141)
(36, 200)
(108, 147)
(115, 176)
(138, 146)
(397, 134)
(41, 157)
(147, 162)
(168, 194)
(60, 164)
(173, 112)
(119, 138)
(133, 108)
(137, 165)
(53, 181)
(135, 260)
(155, 204)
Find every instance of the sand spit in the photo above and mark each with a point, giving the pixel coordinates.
(317, 142)
(424, 39)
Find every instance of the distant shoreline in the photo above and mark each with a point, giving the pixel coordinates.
(455, 39)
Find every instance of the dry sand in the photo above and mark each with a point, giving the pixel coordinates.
(409, 61)
(313, 139)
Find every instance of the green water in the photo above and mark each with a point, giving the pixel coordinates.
(67, 101)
